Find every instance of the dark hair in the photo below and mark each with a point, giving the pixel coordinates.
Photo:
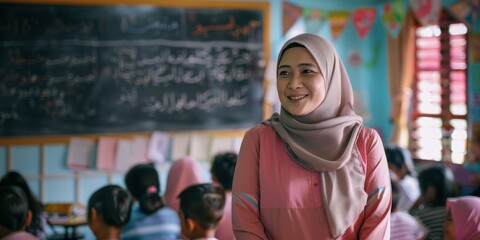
(143, 183)
(36, 207)
(399, 156)
(203, 203)
(441, 178)
(113, 205)
(14, 208)
(223, 168)
(395, 194)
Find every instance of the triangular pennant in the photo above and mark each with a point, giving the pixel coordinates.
(392, 15)
(338, 20)
(466, 11)
(314, 19)
(363, 19)
(427, 11)
(291, 13)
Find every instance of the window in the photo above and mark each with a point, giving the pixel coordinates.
(439, 112)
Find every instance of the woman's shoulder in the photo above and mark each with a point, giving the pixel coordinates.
(367, 133)
(260, 130)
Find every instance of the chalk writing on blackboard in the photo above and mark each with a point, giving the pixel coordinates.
(94, 69)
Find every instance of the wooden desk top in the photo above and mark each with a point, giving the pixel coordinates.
(67, 221)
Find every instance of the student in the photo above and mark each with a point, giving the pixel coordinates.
(464, 218)
(151, 219)
(14, 214)
(184, 172)
(39, 217)
(223, 168)
(403, 226)
(436, 185)
(108, 210)
(201, 209)
(312, 171)
(402, 171)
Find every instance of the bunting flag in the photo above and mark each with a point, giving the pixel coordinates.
(338, 21)
(466, 11)
(427, 12)
(392, 15)
(314, 19)
(363, 19)
(291, 13)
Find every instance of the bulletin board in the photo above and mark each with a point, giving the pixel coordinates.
(86, 68)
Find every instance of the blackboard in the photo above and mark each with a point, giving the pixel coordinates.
(73, 69)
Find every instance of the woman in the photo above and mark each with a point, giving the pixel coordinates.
(108, 211)
(151, 218)
(464, 218)
(312, 171)
(39, 217)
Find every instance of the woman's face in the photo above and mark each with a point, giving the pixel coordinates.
(300, 84)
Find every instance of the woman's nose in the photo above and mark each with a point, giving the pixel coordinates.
(295, 82)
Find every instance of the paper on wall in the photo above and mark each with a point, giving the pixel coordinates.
(180, 146)
(199, 144)
(80, 153)
(106, 153)
(159, 147)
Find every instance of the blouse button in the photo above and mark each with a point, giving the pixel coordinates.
(315, 184)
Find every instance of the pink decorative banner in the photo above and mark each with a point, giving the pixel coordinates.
(291, 13)
(363, 19)
(427, 11)
(466, 11)
(338, 21)
(392, 15)
(314, 19)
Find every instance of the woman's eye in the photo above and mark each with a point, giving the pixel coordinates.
(283, 73)
(306, 71)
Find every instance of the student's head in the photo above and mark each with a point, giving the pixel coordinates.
(201, 209)
(464, 218)
(14, 213)
(223, 168)
(108, 208)
(183, 173)
(14, 178)
(400, 161)
(395, 195)
(143, 183)
(436, 185)
(311, 74)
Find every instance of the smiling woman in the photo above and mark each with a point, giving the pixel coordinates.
(315, 166)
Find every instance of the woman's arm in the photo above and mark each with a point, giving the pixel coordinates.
(377, 185)
(246, 195)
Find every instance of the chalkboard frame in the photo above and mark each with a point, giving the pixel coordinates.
(51, 139)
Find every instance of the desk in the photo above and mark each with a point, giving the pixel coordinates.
(69, 222)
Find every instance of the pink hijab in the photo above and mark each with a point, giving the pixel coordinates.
(325, 139)
(466, 216)
(182, 174)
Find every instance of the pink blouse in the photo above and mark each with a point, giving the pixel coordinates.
(275, 198)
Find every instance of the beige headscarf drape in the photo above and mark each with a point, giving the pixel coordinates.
(325, 139)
